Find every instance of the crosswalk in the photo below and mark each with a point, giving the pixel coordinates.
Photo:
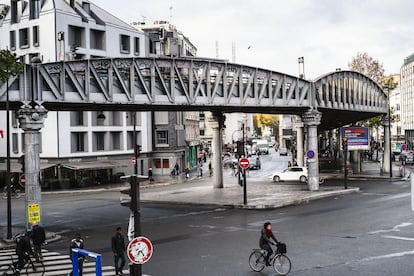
(56, 264)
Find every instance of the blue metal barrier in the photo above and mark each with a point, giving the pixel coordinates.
(76, 252)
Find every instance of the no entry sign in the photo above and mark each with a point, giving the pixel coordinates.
(244, 163)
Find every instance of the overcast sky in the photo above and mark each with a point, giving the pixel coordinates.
(272, 34)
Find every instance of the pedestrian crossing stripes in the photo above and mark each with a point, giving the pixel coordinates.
(55, 264)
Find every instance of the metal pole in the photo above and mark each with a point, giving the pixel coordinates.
(136, 269)
(345, 167)
(8, 184)
(389, 130)
(135, 143)
(244, 187)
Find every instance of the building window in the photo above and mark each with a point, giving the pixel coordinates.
(202, 133)
(97, 39)
(76, 36)
(161, 163)
(77, 118)
(34, 9)
(12, 40)
(16, 10)
(162, 137)
(78, 141)
(24, 38)
(116, 140)
(136, 46)
(35, 36)
(99, 141)
(125, 44)
(161, 117)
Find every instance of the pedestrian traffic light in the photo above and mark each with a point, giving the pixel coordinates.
(139, 148)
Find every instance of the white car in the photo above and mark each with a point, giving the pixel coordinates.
(291, 174)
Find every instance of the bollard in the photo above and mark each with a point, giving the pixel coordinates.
(75, 254)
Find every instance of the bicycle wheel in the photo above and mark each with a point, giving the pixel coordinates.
(281, 264)
(35, 268)
(17, 194)
(257, 261)
(4, 195)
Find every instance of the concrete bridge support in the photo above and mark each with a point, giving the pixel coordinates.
(299, 141)
(312, 119)
(31, 119)
(217, 125)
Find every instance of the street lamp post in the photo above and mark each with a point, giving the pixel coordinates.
(8, 184)
(389, 124)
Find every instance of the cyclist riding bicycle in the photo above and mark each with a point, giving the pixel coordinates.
(265, 240)
(23, 251)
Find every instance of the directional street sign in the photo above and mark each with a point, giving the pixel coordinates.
(244, 163)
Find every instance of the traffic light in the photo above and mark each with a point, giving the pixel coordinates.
(139, 148)
(240, 148)
(132, 191)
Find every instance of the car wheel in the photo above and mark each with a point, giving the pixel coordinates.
(303, 179)
(276, 178)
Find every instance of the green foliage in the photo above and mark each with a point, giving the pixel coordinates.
(9, 66)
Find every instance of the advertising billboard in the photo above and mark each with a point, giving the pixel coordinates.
(357, 137)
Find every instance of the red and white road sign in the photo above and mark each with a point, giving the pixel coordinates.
(22, 180)
(133, 160)
(1, 133)
(244, 163)
(139, 250)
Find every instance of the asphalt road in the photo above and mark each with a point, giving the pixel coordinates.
(365, 233)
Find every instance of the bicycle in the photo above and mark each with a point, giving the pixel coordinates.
(13, 192)
(278, 260)
(30, 267)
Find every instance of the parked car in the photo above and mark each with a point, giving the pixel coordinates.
(283, 151)
(291, 174)
(254, 163)
(407, 158)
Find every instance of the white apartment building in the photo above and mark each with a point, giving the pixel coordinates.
(77, 141)
(407, 100)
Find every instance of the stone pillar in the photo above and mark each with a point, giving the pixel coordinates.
(217, 123)
(31, 120)
(299, 141)
(387, 153)
(312, 119)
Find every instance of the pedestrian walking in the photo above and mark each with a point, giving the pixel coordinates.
(210, 169)
(38, 238)
(176, 169)
(187, 173)
(150, 174)
(118, 248)
(77, 242)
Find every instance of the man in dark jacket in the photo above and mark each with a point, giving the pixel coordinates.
(23, 251)
(38, 238)
(265, 240)
(118, 248)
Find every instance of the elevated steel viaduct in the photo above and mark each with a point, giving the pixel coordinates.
(188, 84)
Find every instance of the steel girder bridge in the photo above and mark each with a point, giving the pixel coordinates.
(191, 84)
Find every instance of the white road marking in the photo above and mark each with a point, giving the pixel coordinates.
(394, 229)
(398, 238)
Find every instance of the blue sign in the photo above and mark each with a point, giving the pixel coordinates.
(310, 154)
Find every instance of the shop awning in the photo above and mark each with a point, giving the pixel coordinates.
(97, 165)
(17, 167)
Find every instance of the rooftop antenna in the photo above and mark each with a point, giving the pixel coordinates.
(171, 8)
(217, 50)
(144, 18)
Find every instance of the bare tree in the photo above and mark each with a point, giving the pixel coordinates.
(370, 67)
